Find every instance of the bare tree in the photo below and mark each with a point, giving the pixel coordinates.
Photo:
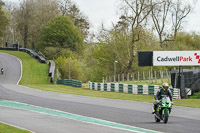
(65, 6)
(179, 12)
(159, 16)
(135, 12)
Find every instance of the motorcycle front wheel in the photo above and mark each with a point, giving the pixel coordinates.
(166, 116)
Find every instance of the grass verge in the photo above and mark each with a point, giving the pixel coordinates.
(92, 93)
(9, 129)
(39, 80)
(33, 71)
(196, 96)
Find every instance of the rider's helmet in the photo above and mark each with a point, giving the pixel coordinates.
(165, 86)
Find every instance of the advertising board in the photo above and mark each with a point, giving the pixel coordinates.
(176, 58)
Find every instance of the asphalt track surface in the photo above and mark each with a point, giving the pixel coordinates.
(137, 114)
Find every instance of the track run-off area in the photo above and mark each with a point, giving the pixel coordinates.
(49, 112)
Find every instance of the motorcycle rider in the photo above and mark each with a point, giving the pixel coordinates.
(162, 92)
(2, 70)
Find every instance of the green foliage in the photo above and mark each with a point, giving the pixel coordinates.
(186, 41)
(196, 96)
(68, 53)
(116, 46)
(70, 68)
(70, 9)
(55, 52)
(62, 33)
(52, 52)
(3, 20)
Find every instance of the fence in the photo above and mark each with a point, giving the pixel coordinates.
(188, 80)
(155, 76)
(131, 89)
(69, 82)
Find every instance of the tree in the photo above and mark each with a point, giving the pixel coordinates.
(30, 18)
(115, 45)
(180, 11)
(159, 16)
(68, 8)
(169, 13)
(23, 20)
(135, 12)
(70, 68)
(62, 33)
(3, 19)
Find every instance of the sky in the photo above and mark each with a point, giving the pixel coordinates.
(105, 11)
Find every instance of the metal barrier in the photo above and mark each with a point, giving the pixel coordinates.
(51, 70)
(36, 56)
(29, 51)
(70, 82)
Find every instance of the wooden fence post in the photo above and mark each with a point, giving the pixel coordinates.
(149, 77)
(167, 75)
(133, 76)
(161, 76)
(155, 77)
(143, 76)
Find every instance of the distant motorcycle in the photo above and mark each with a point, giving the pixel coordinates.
(163, 110)
(2, 71)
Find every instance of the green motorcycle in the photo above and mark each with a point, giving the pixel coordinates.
(2, 71)
(163, 109)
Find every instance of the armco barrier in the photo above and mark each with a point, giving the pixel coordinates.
(131, 89)
(29, 51)
(51, 70)
(73, 83)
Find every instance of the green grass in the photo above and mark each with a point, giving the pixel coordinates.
(92, 93)
(33, 71)
(194, 103)
(35, 76)
(196, 96)
(9, 129)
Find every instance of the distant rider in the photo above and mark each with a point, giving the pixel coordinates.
(2, 70)
(160, 94)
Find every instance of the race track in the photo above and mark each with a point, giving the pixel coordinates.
(129, 113)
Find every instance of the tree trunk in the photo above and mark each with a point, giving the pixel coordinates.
(161, 42)
(130, 61)
(25, 36)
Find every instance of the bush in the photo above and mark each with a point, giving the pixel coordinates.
(52, 52)
(70, 68)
